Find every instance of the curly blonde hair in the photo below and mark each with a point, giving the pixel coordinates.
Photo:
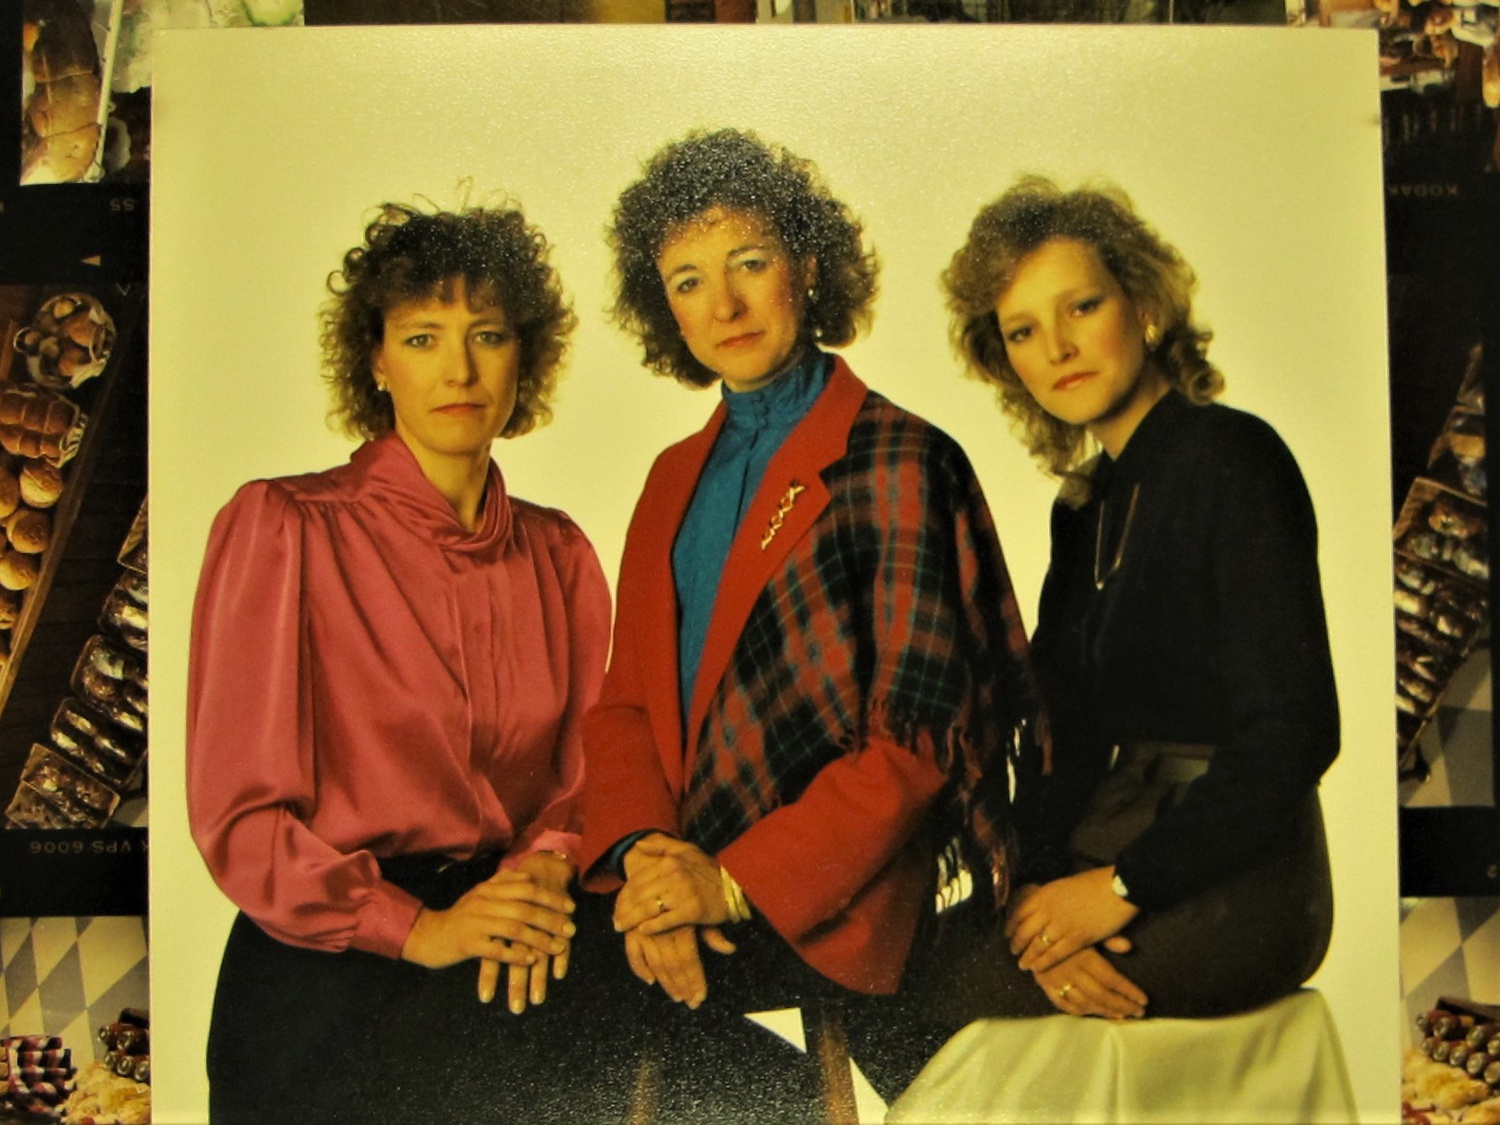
(1151, 272)
(736, 170)
(414, 255)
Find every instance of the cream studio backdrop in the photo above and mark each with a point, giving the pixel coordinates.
(1255, 151)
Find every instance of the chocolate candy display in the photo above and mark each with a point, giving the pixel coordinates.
(116, 1088)
(1442, 567)
(97, 736)
(38, 1074)
(82, 799)
(1452, 1077)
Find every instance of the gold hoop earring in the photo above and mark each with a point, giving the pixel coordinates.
(1153, 336)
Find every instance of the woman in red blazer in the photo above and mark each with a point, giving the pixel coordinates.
(818, 668)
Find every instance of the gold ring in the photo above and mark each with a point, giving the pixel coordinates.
(661, 906)
(1062, 993)
(1046, 939)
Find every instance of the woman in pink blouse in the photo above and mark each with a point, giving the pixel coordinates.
(390, 663)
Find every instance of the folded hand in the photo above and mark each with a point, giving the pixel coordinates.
(528, 983)
(510, 917)
(669, 883)
(1050, 923)
(672, 961)
(1086, 984)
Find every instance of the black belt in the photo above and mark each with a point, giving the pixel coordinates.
(438, 879)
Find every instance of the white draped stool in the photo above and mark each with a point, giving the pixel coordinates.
(1281, 1063)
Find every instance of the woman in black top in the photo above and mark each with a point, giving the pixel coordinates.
(1180, 645)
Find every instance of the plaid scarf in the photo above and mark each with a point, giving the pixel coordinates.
(892, 619)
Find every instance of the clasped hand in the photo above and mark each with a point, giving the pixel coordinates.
(1056, 920)
(519, 917)
(1053, 930)
(673, 897)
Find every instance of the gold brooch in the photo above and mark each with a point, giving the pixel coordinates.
(783, 509)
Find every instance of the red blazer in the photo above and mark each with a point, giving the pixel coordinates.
(844, 869)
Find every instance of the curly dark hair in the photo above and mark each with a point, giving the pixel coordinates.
(414, 255)
(736, 170)
(1152, 273)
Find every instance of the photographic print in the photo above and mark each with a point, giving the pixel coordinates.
(1215, 134)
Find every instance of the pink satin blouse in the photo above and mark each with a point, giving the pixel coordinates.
(370, 679)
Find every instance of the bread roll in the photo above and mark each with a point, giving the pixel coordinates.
(40, 484)
(42, 412)
(18, 571)
(30, 531)
(10, 608)
(81, 327)
(10, 493)
(64, 42)
(61, 158)
(42, 424)
(65, 105)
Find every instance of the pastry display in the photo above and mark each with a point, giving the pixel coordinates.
(1438, 619)
(1453, 1078)
(1446, 528)
(1457, 456)
(116, 755)
(99, 731)
(29, 531)
(1442, 569)
(29, 809)
(97, 738)
(101, 1097)
(68, 342)
(10, 492)
(125, 611)
(10, 608)
(133, 550)
(103, 670)
(18, 571)
(84, 798)
(35, 423)
(116, 1090)
(39, 485)
(61, 90)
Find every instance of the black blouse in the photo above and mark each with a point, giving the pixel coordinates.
(1209, 630)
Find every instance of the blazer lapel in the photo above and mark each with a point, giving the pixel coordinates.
(671, 490)
(788, 502)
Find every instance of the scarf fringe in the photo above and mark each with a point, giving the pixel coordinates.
(977, 833)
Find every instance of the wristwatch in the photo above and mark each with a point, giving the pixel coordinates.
(1119, 887)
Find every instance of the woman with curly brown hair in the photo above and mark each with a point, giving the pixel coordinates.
(391, 662)
(1180, 645)
(817, 668)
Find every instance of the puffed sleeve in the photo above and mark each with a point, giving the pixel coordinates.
(585, 609)
(251, 777)
(1269, 653)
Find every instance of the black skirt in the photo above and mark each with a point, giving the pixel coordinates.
(1255, 936)
(315, 1037)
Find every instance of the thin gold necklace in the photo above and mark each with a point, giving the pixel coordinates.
(1114, 565)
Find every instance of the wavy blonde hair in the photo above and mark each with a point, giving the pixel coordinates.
(1151, 272)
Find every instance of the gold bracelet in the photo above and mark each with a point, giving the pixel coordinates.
(734, 897)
